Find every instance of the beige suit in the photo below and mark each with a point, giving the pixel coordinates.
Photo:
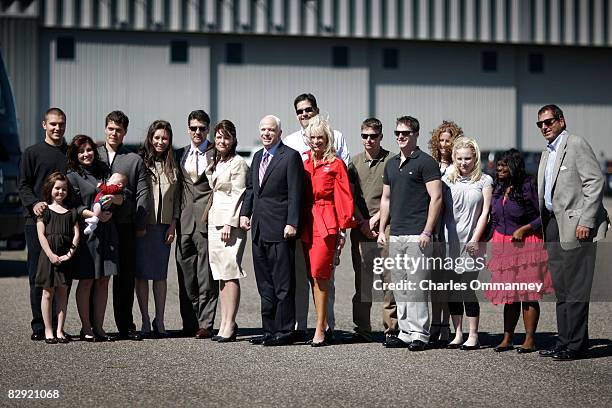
(228, 187)
(577, 191)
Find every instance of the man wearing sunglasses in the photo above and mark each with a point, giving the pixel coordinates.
(306, 108)
(198, 291)
(366, 176)
(412, 201)
(570, 190)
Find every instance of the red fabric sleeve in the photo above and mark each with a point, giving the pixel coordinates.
(109, 189)
(343, 198)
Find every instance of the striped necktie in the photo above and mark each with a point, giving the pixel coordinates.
(264, 166)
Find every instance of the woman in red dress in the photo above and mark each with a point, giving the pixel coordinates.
(328, 212)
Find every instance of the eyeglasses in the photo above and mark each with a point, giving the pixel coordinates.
(372, 136)
(546, 122)
(307, 110)
(200, 128)
(404, 133)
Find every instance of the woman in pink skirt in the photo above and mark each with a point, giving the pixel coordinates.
(518, 253)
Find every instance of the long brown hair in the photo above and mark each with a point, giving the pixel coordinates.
(226, 127)
(147, 152)
(434, 143)
(98, 169)
(48, 187)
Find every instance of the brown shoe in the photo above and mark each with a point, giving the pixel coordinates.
(202, 334)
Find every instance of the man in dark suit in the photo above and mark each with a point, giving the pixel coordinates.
(198, 291)
(271, 209)
(570, 190)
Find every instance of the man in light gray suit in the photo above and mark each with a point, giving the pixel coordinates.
(198, 291)
(570, 190)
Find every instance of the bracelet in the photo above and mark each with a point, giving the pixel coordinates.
(426, 233)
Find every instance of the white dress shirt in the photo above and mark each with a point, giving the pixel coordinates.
(297, 141)
(550, 166)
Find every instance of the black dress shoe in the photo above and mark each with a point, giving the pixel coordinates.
(106, 337)
(416, 345)
(395, 342)
(300, 336)
(51, 340)
(229, 339)
(568, 355)
(37, 336)
(259, 339)
(278, 341)
(501, 349)
(329, 336)
(525, 350)
(203, 334)
(130, 335)
(551, 352)
(355, 338)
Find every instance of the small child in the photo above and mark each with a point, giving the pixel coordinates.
(115, 185)
(58, 233)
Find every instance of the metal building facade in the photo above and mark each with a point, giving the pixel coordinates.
(122, 61)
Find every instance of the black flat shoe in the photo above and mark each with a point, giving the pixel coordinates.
(103, 337)
(51, 340)
(501, 349)
(524, 350)
(63, 340)
(467, 348)
(216, 338)
(86, 337)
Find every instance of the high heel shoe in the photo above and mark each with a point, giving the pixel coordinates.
(156, 332)
(230, 338)
(87, 337)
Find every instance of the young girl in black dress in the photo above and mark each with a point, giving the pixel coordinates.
(58, 233)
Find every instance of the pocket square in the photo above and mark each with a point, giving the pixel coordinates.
(563, 168)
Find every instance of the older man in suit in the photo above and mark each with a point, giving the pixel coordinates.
(271, 209)
(570, 189)
(198, 291)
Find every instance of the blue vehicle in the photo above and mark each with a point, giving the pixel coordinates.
(11, 213)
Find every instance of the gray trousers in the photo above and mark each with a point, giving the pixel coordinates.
(412, 305)
(302, 292)
(198, 291)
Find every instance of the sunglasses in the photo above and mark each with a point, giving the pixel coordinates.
(200, 128)
(546, 122)
(307, 110)
(372, 136)
(404, 133)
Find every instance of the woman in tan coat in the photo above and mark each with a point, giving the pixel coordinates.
(153, 250)
(226, 240)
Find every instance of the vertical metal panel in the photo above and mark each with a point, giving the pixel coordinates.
(50, 13)
(609, 25)
(193, 13)
(104, 17)
(86, 13)
(158, 11)
(244, 18)
(423, 33)
(500, 21)
(68, 17)
(598, 23)
(455, 21)
(470, 20)
(540, 18)
(584, 23)
(438, 19)
(569, 23)
(485, 21)
(375, 18)
(359, 18)
(176, 17)
(327, 16)
(20, 50)
(554, 28)
(343, 18)
(123, 12)
(210, 13)
(515, 26)
(278, 15)
(407, 31)
(227, 17)
(390, 22)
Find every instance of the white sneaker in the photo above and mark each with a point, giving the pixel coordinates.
(92, 224)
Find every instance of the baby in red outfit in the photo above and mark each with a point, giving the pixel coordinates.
(114, 185)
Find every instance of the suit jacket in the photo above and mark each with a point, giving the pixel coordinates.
(194, 196)
(277, 202)
(228, 188)
(577, 193)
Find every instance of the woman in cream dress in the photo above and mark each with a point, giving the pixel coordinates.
(227, 175)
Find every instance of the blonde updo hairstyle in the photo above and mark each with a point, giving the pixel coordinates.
(466, 143)
(320, 126)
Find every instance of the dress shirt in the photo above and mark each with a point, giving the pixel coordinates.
(548, 172)
(297, 141)
(197, 156)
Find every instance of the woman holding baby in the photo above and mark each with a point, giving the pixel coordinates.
(97, 256)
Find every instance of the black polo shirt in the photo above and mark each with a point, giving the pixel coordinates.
(409, 198)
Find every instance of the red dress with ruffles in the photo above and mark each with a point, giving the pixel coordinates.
(328, 208)
(518, 262)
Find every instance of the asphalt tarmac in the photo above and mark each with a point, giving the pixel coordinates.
(190, 372)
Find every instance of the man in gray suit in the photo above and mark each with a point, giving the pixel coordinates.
(570, 190)
(198, 291)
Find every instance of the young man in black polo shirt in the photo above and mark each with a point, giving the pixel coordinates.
(412, 198)
(37, 163)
